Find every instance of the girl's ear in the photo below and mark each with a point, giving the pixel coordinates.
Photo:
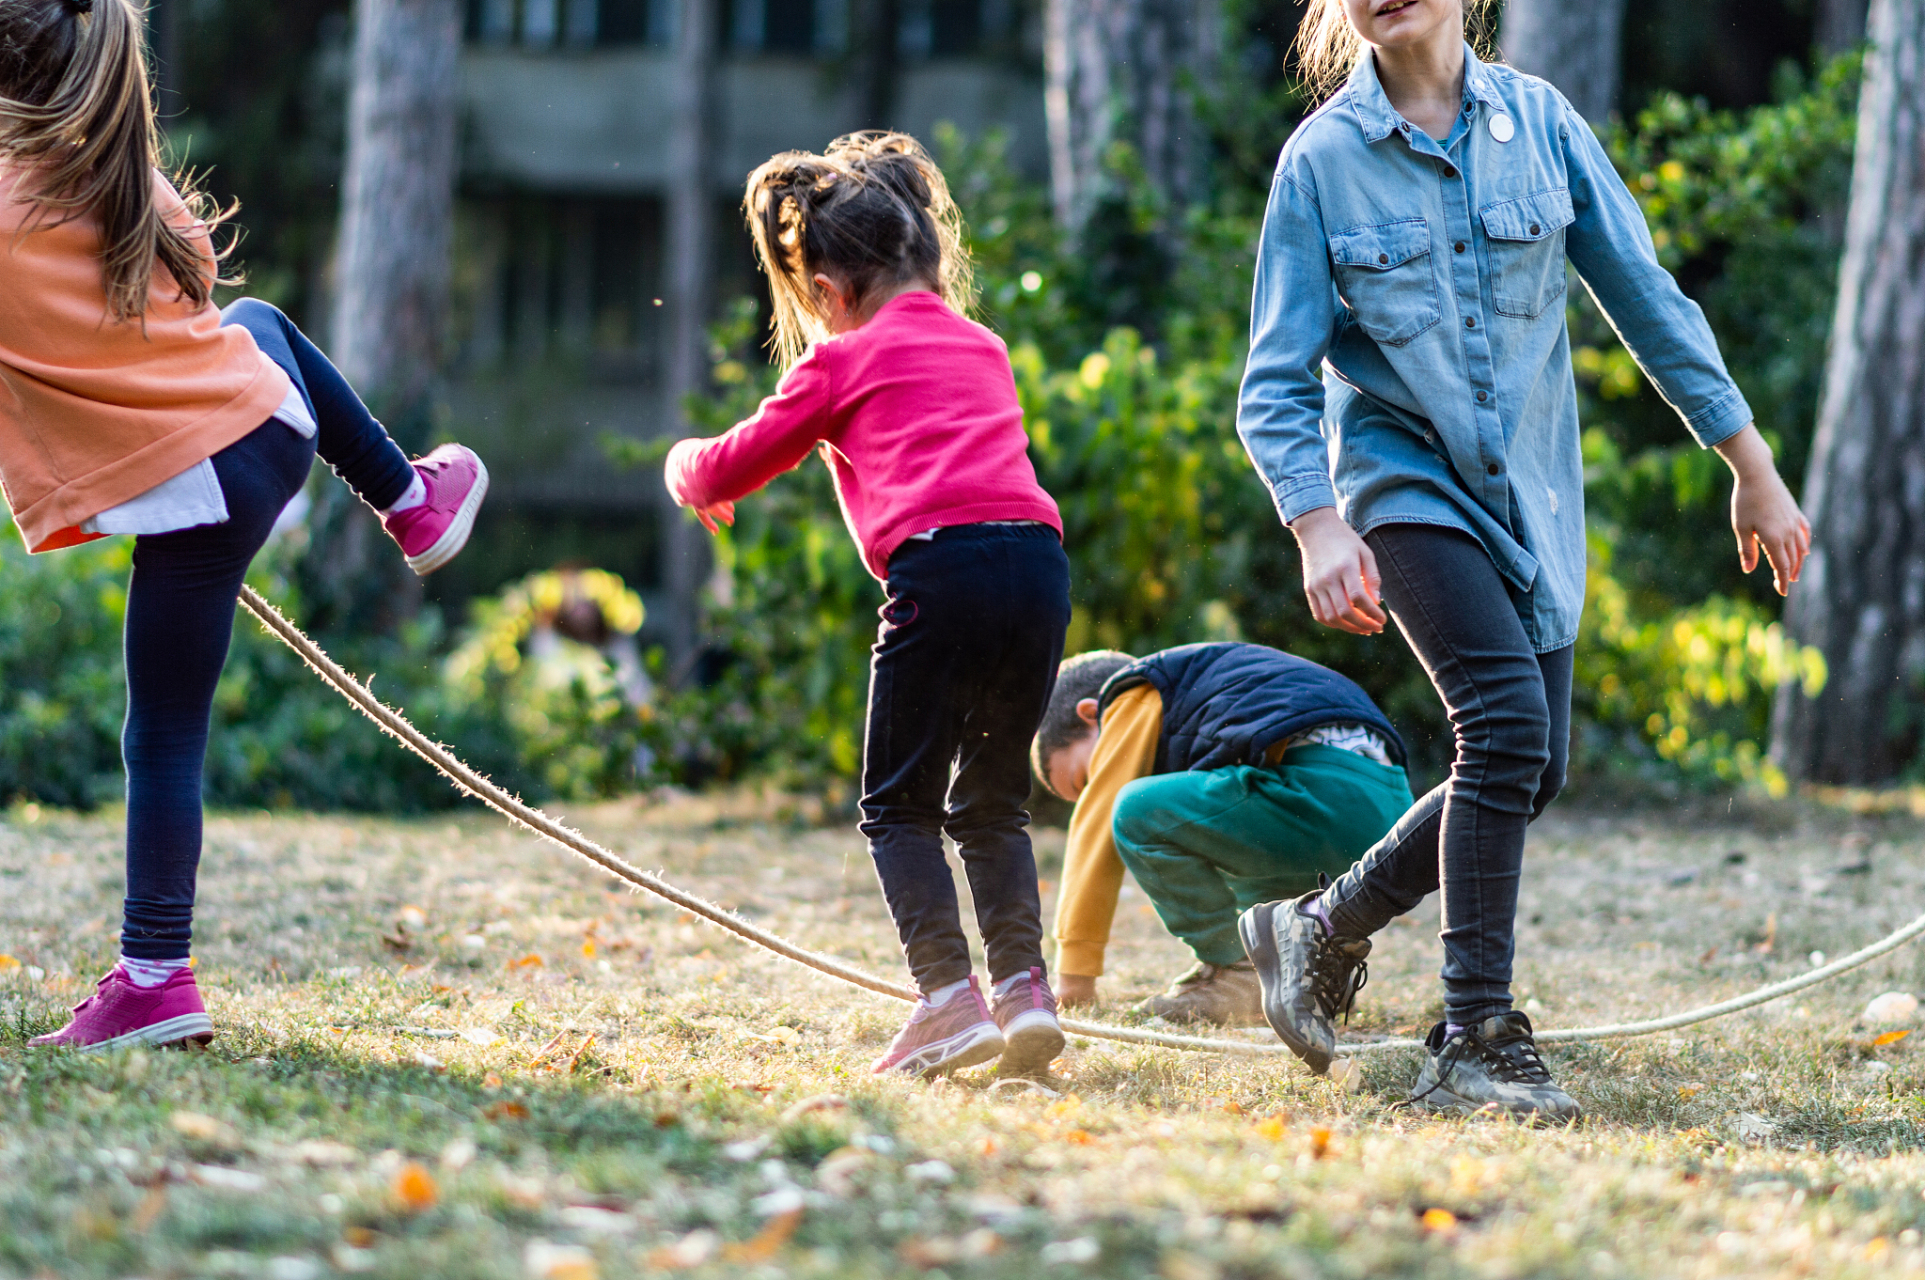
(1086, 711)
(832, 293)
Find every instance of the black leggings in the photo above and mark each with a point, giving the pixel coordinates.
(180, 620)
(1510, 713)
(963, 667)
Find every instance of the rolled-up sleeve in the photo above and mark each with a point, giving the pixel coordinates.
(1293, 313)
(1665, 332)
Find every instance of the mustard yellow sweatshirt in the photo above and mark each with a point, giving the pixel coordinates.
(1092, 871)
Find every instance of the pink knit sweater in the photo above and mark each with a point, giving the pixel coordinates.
(917, 416)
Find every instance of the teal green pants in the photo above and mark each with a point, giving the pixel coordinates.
(1208, 844)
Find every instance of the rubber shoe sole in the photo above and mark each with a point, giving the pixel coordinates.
(196, 1028)
(978, 1044)
(1259, 937)
(456, 535)
(1033, 1041)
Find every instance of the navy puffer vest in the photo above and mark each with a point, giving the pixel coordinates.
(1226, 704)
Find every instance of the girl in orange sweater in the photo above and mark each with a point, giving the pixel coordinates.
(130, 405)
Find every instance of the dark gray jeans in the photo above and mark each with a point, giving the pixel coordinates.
(1510, 711)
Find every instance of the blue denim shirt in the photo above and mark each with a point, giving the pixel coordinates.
(1408, 354)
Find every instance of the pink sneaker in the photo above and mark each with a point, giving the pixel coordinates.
(1026, 1012)
(435, 532)
(942, 1038)
(121, 1013)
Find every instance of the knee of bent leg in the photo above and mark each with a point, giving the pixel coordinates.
(1509, 728)
(1137, 818)
(1551, 781)
(252, 313)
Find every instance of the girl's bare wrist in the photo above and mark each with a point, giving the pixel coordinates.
(1748, 455)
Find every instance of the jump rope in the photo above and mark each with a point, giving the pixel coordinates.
(464, 778)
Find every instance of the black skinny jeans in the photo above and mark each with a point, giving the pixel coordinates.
(962, 669)
(180, 620)
(1510, 712)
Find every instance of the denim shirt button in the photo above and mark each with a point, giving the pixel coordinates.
(1459, 246)
(1482, 396)
(1470, 322)
(1449, 172)
(1494, 469)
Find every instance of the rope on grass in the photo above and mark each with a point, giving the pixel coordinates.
(396, 725)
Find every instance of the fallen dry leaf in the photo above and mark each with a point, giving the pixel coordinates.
(1078, 1138)
(200, 1128)
(1441, 1221)
(8, 964)
(150, 1209)
(692, 1250)
(768, 1241)
(506, 1109)
(532, 960)
(1889, 1037)
(414, 1188)
(1272, 1128)
(1319, 1142)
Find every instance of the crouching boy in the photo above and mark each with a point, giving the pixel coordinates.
(1222, 776)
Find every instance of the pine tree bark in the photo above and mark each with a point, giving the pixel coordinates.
(688, 299)
(391, 282)
(1840, 25)
(1577, 47)
(397, 200)
(1862, 601)
(1125, 71)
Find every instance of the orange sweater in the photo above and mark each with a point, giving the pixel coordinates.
(93, 413)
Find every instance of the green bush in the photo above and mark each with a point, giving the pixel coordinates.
(280, 738)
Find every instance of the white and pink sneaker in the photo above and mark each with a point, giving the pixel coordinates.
(433, 531)
(940, 1038)
(1025, 1009)
(120, 1013)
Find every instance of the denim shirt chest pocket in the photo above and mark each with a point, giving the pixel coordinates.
(1385, 276)
(1526, 238)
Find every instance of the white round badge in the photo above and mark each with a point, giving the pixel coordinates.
(1502, 129)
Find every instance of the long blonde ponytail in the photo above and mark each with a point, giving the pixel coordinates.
(77, 111)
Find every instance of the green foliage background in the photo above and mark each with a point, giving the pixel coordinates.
(1127, 347)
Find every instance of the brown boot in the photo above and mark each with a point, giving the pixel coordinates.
(1227, 995)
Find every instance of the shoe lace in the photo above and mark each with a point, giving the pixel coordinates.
(1513, 1061)
(1336, 979)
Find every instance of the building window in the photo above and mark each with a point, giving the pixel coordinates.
(578, 24)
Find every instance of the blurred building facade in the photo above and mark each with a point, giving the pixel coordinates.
(568, 118)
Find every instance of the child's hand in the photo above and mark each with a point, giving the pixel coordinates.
(1074, 989)
(1340, 575)
(714, 511)
(1764, 515)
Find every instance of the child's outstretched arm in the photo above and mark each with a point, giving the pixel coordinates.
(1610, 245)
(708, 475)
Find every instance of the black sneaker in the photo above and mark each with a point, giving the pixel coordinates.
(1491, 1067)
(1308, 979)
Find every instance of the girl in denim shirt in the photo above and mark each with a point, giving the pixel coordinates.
(1410, 403)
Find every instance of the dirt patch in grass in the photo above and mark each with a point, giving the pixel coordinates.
(447, 1049)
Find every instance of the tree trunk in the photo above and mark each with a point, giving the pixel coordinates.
(688, 303)
(397, 200)
(1574, 46)
(1862, 601)
(1840, 25)
(391, 276)
(1124, 71)
(878, 28)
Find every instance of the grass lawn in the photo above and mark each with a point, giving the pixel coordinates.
(446, 1049)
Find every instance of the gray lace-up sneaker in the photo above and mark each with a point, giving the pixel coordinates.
(1308, 979)
(1228, 995)
(1491, 1067)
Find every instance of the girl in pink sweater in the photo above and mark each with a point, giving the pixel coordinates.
(914, 409)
